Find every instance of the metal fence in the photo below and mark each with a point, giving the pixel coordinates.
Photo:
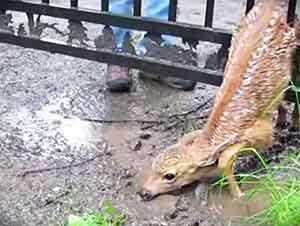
(188, 32)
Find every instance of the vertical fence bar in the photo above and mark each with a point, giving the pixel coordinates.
(209, 13)
(173, 10)
(137, 9)
(250, 4)
(74, 3)
(105, 5)
(46, 1)
(30, 17)
(3, 8)
(291, 10)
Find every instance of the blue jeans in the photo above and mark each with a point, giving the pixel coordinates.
(158, 9)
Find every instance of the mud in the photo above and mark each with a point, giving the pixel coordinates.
(55, 112)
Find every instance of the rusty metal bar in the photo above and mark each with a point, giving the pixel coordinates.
(148, 64)
(107, 56)
(137, 8)
(209, 13)
(173, 10)
(105, 5)
(249, 5)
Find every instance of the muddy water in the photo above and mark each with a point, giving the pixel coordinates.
(43, 102)
(219, 202)
(226, 206)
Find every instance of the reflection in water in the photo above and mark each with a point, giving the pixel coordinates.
(77, 32)
(107, 40)
(5, 21)
(225, 205)
(21, 30)
(37, 27)
(75, 131)
(78, 132)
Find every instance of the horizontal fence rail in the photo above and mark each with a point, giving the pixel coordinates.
(107, 56)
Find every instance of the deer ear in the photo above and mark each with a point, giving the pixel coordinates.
(202, 139)
(192, 137)
(189, 138)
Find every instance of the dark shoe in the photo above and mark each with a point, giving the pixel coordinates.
(171, 53)
(118, 78)
(185, 85)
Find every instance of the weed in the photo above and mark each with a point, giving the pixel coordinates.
(285, 195)
(108, 216)
(282, 183)
(284, 209)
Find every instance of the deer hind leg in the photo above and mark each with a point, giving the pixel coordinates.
(258, 136)
(281, 117)
(296, 117)
(225, 164)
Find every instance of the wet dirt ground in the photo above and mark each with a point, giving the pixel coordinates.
(56, 112)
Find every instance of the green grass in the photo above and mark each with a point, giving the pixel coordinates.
(282, 184)
(284, 209)
(108, 216)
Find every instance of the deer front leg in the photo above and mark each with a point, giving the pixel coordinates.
(225, 164)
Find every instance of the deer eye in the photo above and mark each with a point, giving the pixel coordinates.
(169, 176)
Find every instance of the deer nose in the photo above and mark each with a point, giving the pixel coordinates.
(145, 195)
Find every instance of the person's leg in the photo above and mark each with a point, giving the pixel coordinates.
(159, 9)
(119, 77)
(124, 7)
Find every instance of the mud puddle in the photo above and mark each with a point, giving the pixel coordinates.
(225, 205)
(218, 202)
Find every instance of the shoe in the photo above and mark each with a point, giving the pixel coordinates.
(182, 84)
(177, 55)
(119, 78)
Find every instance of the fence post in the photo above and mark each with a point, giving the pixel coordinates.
(3, 7)
(173, 10)
(74, 3)
(291, 11)
(30, 18)
(105, 5)
(209, 13)
(137, 8)
(249, 5)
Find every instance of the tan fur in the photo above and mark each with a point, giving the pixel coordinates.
(257, 72)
